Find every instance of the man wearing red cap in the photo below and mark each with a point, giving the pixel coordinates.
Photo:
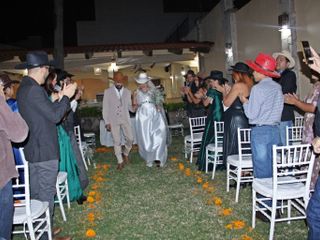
(264, 109)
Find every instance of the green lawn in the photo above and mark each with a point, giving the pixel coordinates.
(156, 203)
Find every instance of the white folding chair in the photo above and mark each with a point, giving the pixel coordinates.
(239, 166)
(32, 214)
(82, 146)
(298, 121)
(294, 135)
(62, 192)
(192, 142)
(214, 150)
(292, 170)
(90, 138)
(177, 128)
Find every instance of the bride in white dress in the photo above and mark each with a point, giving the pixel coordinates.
(151, 125)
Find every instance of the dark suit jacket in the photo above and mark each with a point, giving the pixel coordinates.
(288, 82)
(41, 116)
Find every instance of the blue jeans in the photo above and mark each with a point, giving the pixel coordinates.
(6, 211)
(313, 213)
(262, 139)
(282, 128)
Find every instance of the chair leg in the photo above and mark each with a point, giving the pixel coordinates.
(238, 184)
(49, 231)
(228, 177)
(253, 209)
(185, 150)
(60, 202)
(32, 233)
(289, 210)
(84, 161)
(89, 161)
(214, 164)
(207, 160)
(67, 193)
(191, 152)
(273, 217)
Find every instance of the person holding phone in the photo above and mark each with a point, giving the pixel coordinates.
(313, 210)
(288, 82)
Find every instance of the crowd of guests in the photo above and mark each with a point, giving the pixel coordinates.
(41, 120)
(262, 96)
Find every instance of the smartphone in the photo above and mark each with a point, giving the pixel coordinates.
(306, 51)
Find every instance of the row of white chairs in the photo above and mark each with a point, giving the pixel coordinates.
(292, 168)
(32, 214)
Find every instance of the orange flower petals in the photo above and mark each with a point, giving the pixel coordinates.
(90, 233)
(91, 217)
(237, 224)
(173, 159)
(187, 172)
(205, 185)
(199, 180)
(245, 237)
(181, 166)
(90, 199)
(217, 201)
(226, 212)
(92, 193)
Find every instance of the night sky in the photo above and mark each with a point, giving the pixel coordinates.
(19, 19)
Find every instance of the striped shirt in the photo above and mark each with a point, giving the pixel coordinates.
(265, 104)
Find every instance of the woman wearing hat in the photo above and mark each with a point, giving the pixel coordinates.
(234, 116)
(151, 126)
(213, 99)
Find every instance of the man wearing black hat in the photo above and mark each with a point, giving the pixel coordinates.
(42, 115)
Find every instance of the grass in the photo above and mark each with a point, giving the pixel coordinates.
(156, 203)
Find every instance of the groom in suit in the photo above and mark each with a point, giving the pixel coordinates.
(116, 106)
(42, 115)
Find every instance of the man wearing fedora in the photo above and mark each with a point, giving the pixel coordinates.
(263, 109)
(115, 110)
(288, 82)
(42, 115)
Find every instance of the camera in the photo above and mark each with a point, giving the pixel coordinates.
(306, 51)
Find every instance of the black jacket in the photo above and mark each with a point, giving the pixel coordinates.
(288, 82)
(41, 115)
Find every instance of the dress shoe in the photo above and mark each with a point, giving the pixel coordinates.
(62, 238)
(125, 159)
(84, 198)
(157, 163)
(81, 199)
(56, 231)
(120, 166)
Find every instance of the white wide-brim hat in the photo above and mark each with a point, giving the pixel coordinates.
(287, 55)
(142, 78)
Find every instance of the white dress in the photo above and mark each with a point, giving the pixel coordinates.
(151, 129)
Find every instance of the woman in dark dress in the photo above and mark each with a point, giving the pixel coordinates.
(234, 116)
(213, 98)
